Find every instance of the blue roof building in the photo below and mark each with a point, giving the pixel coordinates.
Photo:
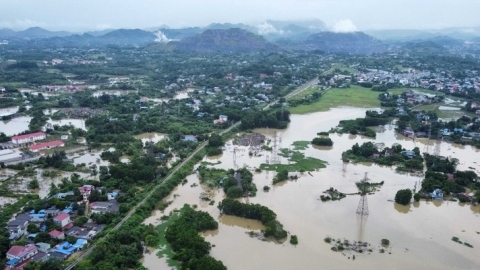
(437, 194)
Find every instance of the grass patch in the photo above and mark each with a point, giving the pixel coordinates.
(300, 145)
(298, 162)
(355, 96)
(443, 114)
(211, 176)
(164, 246)
(307, 92)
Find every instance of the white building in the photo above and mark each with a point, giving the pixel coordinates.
(29, 138)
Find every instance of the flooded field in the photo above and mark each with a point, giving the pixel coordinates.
(151, 137)
(15, 125)
(113, 92)
(77, 123)
(420, 234)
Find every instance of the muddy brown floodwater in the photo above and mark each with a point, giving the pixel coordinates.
(420, 234)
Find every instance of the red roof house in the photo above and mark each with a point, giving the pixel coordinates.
(62, 219)
(46, 145)
(57, 234)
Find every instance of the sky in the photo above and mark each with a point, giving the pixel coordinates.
(83, 15)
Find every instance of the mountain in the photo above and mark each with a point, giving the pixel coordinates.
(178, 34)
(32, 33)
(425, 47)
(446, 41)
(128, 36)
(352, 42)
(289, 30)
(224, 40)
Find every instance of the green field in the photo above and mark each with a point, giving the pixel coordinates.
(310, 90)
(355, 96)
(341, 67)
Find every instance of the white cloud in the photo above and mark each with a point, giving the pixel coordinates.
(21, 24)
(266, 28)
(161, 37)
(344, 26)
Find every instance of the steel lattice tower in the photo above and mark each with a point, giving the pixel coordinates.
(274, 157)
(362, 209)
(438, 144)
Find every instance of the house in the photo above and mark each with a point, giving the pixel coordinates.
(409, 153)
(46, 145)
(52, 211)
(29, 138)
(62, 219)
(112, 195)
(437, 194)
(43, 247)
(40, 257)
(421, 134)
(376, 155)
(63, 195)
(17, 228)
(409, 133)
(19, 254)
(57, 234)
(85, 190)
(88, 231)
(450, 177)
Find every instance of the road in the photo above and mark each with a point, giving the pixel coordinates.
(132, 211)
(170, 175)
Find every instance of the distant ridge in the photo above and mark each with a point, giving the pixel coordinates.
(351, 42)
(224, 40)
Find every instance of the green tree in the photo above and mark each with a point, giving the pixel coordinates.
(403, 196)
(215, 140)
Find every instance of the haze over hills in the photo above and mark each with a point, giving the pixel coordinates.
(268, 35)
(224, 40)
(354, 42)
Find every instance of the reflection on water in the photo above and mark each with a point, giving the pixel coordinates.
(424, 229)
(404, 209)
(249, 224)
(361, 224)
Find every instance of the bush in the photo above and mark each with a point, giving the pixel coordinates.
(385, 242)
(293, 240)
(266, 188)
(416, 197)
(234, 192)
(322, 141)
(403, 196)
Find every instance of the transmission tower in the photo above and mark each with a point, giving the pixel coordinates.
(438, 144)
(427, 146)
(274, 159)
(362, 209)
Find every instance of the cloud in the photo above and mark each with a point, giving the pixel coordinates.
(161, 37)
(21, 24)
(344, 26)
(266, 28)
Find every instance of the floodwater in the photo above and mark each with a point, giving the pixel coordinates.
(151, 137)
(420, 234)
(8, 111)
(50, 111)
(77, 123)
(90, 158)
(15, 125)
(113, 92)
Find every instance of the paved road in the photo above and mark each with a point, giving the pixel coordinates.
(132, 211)
(200, 147)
